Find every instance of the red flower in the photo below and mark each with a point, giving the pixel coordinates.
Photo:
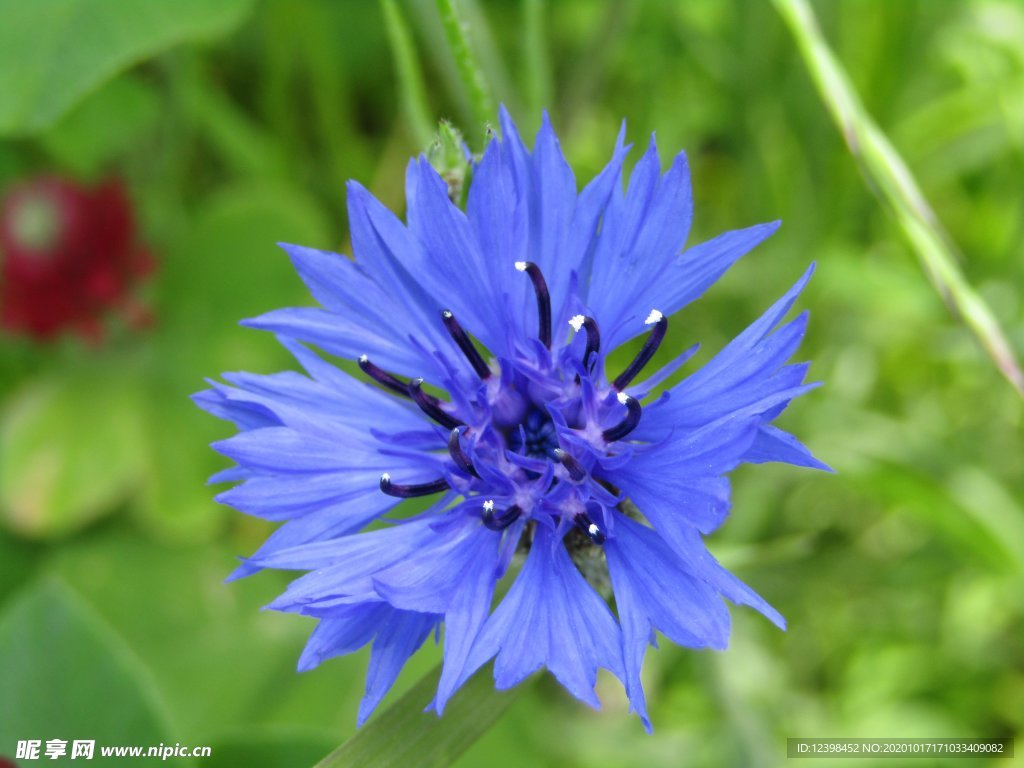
(68, 257)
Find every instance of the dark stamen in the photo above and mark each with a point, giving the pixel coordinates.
(593, 336)
(458, 455)
(501, 521)
(382, 377)
(431, 406)
(571, 464)
(629, 423)
(540, 287)
(650, 347)
(409, 491)
(465, 344)
(589, 527)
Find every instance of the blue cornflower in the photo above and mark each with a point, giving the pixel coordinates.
(534, 449)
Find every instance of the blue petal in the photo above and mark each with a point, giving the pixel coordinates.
(284, 497)
(229, 475)
(751, 378)
(355, 557)
(772, 444)
(740, 348)
(518, 157)
(322, 524)
(242, 415)
(652, 590)
(547, 185)
(342, 336)
(644, 388)
(587, 218)
(455, 271)
(550, 617)
(397, 261)
(332, 411)
(642, 236)
(751, 369)
(680, 478)
(428, 578)
(340, 285)
(278, 496)
(688, 544)
(399, 637)
(497, 212)
(347, 631)
(700, 266)
(285, 450)
(552, 206)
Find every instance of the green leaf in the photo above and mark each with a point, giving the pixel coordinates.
(67, 675)
(19, 558)
(406, 735)
(69, 450)
(222, 665)
(228, 265)
(174, 501)
(105, 126)
(54, 52)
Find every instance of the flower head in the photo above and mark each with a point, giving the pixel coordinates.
(528, 443)
(68, 257)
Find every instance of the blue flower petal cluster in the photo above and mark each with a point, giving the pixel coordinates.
(531, 449)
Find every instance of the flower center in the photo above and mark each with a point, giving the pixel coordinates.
(535, 436)
(506, 445)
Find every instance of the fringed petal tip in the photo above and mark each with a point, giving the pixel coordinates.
(247, 568)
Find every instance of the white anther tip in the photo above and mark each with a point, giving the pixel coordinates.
(654, 317)
(623, 398)
(364, 359)
(489, 505)
(385, 478)
(521, 266)
(593, 530)
(446, 314)
(576, 321)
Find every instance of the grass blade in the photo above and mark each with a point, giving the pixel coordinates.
(412, 92)
(892, 182)
(405, 735)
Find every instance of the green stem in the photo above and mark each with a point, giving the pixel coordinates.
(411, 90)
(405, 735)
(538, 69)
(470, 73)
(894, 185)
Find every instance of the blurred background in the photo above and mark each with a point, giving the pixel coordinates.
(201, 133)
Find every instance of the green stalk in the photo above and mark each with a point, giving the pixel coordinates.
(538, 69)
(412, 93)
(405, 735)
(470, 73)
(894, 185)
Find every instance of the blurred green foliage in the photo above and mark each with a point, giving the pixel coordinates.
(902, 577)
